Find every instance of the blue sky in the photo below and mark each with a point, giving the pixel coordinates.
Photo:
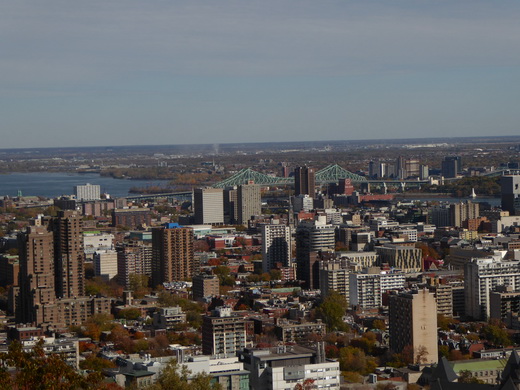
(176, 72)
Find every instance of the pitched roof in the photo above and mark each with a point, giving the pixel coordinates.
(444, 371)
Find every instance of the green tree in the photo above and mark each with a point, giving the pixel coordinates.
(495, 335)
(275, 274)
(130, 313)
(332, 310)
(444, 350)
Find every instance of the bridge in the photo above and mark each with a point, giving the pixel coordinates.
(170, 196)
(330, 174)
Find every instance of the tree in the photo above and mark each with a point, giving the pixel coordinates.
(495, 335)
(178, 377)
(465, 376)
(354, 359)
(129, 313)
(307, 384)
(138, 284)
(332, 310)
(36, 371)
(444, 351)
(421, 355)
(379, 324)
(275, 274)
(95, 363)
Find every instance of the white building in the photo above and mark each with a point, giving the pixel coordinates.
(97, 241)
(208, 205)
(285, 367)
(87, 192)
(366, 289)
(482, 276)
(276, 246)
(105, 264)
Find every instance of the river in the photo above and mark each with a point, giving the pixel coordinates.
(51, 185)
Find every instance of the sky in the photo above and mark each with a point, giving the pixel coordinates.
(136, 72)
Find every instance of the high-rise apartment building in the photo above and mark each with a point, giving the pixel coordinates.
(223, 333)
(407, 167)
(87, 192)
(304, 181)
(481, 276)
(172, 253)
(133, 258)
(312, 238)
(249, 202)
(460, 212)
(52, 276)
(37, 288)
(276, 246)
(511, 193)
(69, 255)
(333, 277)
(412, 320)
(366, 289)
(208, 205)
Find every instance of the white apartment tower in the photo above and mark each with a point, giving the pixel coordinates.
(481, 276)
(276, 246)
(209, 206)
(87, 192)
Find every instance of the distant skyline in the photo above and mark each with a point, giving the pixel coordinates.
(170, 72)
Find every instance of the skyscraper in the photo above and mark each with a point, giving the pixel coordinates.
(133, 258)
(276, 246)
(304, 181)
(481, 276)
(451, 166)
(412, 319)
(230, 205)
(223, 333)
(172, 253)
(312, 237)
(36, 247)
(460, 212)
(208, 205)
(511, 193)
(68, 254)
(249, 202)
(52, 276)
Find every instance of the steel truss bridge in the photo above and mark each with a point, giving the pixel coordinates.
(330, 174)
